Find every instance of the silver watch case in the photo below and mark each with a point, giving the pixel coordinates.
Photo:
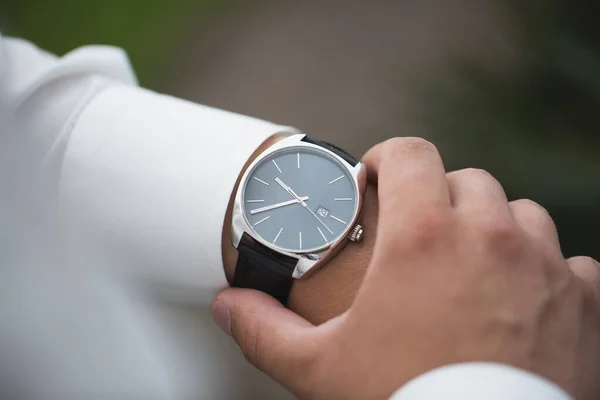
(307, 263)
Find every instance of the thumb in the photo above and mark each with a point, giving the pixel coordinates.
(274, 339)
(588, 270)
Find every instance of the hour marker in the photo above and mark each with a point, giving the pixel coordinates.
(262, 220)
(337, 179)
(337, 219)
(298, 159)
(277, 236)
(277, 166)
(343, 199)
(255, 201)
(321, 232)
(261, 181)
(300, 239)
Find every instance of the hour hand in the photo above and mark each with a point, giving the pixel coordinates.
(282, 204)
(290, 191)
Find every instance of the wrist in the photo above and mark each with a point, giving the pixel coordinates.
(331, 290)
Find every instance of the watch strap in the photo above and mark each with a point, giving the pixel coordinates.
(262, 269)
(346, 156)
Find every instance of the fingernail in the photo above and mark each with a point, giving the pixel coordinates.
(222, 316)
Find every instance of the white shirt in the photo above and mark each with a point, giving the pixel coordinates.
(143, 181)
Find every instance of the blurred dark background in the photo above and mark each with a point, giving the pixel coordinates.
(506, 85)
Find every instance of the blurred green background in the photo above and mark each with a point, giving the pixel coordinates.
(505, 85)
(149, 30)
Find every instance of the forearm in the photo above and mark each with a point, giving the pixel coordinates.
(144, 174)
(331, 290)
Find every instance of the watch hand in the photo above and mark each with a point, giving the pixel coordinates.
(290, 191)
(318, 219)
(282, 204)
(285, 187)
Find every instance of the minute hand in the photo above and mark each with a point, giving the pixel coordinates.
(293, 194)
(273, 206)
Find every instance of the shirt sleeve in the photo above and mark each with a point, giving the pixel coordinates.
(474, 381)
(148, 176)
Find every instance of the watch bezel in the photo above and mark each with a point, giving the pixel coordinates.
(306, 262)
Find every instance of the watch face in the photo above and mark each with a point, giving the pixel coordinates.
(299, 199)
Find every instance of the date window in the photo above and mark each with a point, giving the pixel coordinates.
(323, 212)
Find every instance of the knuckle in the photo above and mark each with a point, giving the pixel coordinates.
(587, 261)
(502, 237)
(417, 144)
(534, 213)
(526, 203)
(402, 145)
(429, 227)
(476, 174)
(588, 271)
(532, 207)
(475, 178)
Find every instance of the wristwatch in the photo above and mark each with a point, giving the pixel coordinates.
(297, 205)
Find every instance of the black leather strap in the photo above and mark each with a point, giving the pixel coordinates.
(347, 157)
(261, 269)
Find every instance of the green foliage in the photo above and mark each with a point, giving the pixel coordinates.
(149, 30)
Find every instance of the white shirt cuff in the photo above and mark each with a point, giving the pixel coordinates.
(475, 381)
(152, 175)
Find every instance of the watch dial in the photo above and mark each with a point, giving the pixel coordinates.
(299, 199)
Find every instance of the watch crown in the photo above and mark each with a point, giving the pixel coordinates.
(356, 234)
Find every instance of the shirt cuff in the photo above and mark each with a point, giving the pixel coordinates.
(475, 381)
(151, 176)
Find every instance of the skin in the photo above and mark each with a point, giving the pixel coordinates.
(332, 289)
(457, 274)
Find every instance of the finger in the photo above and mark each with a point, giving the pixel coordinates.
(272, 338)
(536, 222)
(476, 190)
(410, 176)
(588, 270)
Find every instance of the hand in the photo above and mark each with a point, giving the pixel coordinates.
(458, 274)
